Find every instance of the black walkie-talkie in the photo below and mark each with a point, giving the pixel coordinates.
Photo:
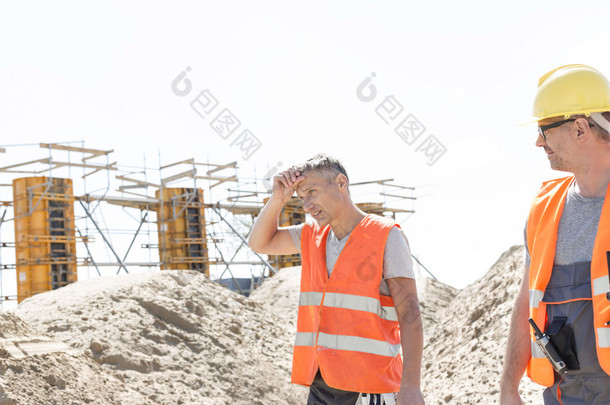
(545, 344)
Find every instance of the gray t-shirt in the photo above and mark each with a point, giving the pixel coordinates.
(571, 280)
(396, 257)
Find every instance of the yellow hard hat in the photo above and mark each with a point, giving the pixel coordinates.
(570, 90)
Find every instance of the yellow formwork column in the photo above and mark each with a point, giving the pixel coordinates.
(292, 214)
(45, 243)
(181, 227)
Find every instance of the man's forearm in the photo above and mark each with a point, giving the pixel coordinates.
(404, 295)
(412, 341)
(518, 348)
(265, 225)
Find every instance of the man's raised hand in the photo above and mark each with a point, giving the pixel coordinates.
(285, 184)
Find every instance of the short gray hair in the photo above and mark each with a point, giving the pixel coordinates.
(326, 165)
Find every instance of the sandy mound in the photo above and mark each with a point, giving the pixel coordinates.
(12, 326)
(280, 295)
(463, 359)
(35, 369)
(434, 297)
(173, 336)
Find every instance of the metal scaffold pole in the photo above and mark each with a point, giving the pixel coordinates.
(271, 268)
(104, 237)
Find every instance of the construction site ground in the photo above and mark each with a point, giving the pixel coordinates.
(175, 337)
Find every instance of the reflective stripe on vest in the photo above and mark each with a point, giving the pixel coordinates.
(305, 339)
(535, 298)
(358, 344)
(537, 352)
(600, 285)
(344, 326)
(603, 335)
(542, 226)
(351, 343)
(349, 301)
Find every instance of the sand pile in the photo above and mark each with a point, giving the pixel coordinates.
(173, 336)
(35, 369)
(463, 358)
(280, 296)
(434, 297)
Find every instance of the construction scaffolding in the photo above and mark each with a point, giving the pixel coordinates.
(185, 215)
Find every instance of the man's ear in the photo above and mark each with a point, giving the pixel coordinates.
(582, 126)
(341, 181)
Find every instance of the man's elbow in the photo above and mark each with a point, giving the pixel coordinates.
(256, 245)
(252, 244)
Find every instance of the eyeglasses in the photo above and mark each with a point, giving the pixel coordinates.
(542, 130)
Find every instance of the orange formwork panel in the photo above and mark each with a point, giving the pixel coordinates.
(45, 243)
(181, 227)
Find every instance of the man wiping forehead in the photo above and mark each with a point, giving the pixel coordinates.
(317, 187)
(357, 288)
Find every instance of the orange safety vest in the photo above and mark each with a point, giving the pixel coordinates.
(542, 226)
(344, 326)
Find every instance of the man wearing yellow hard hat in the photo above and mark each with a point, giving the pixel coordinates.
(560, 327)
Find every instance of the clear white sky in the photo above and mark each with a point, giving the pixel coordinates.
(102, 72)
